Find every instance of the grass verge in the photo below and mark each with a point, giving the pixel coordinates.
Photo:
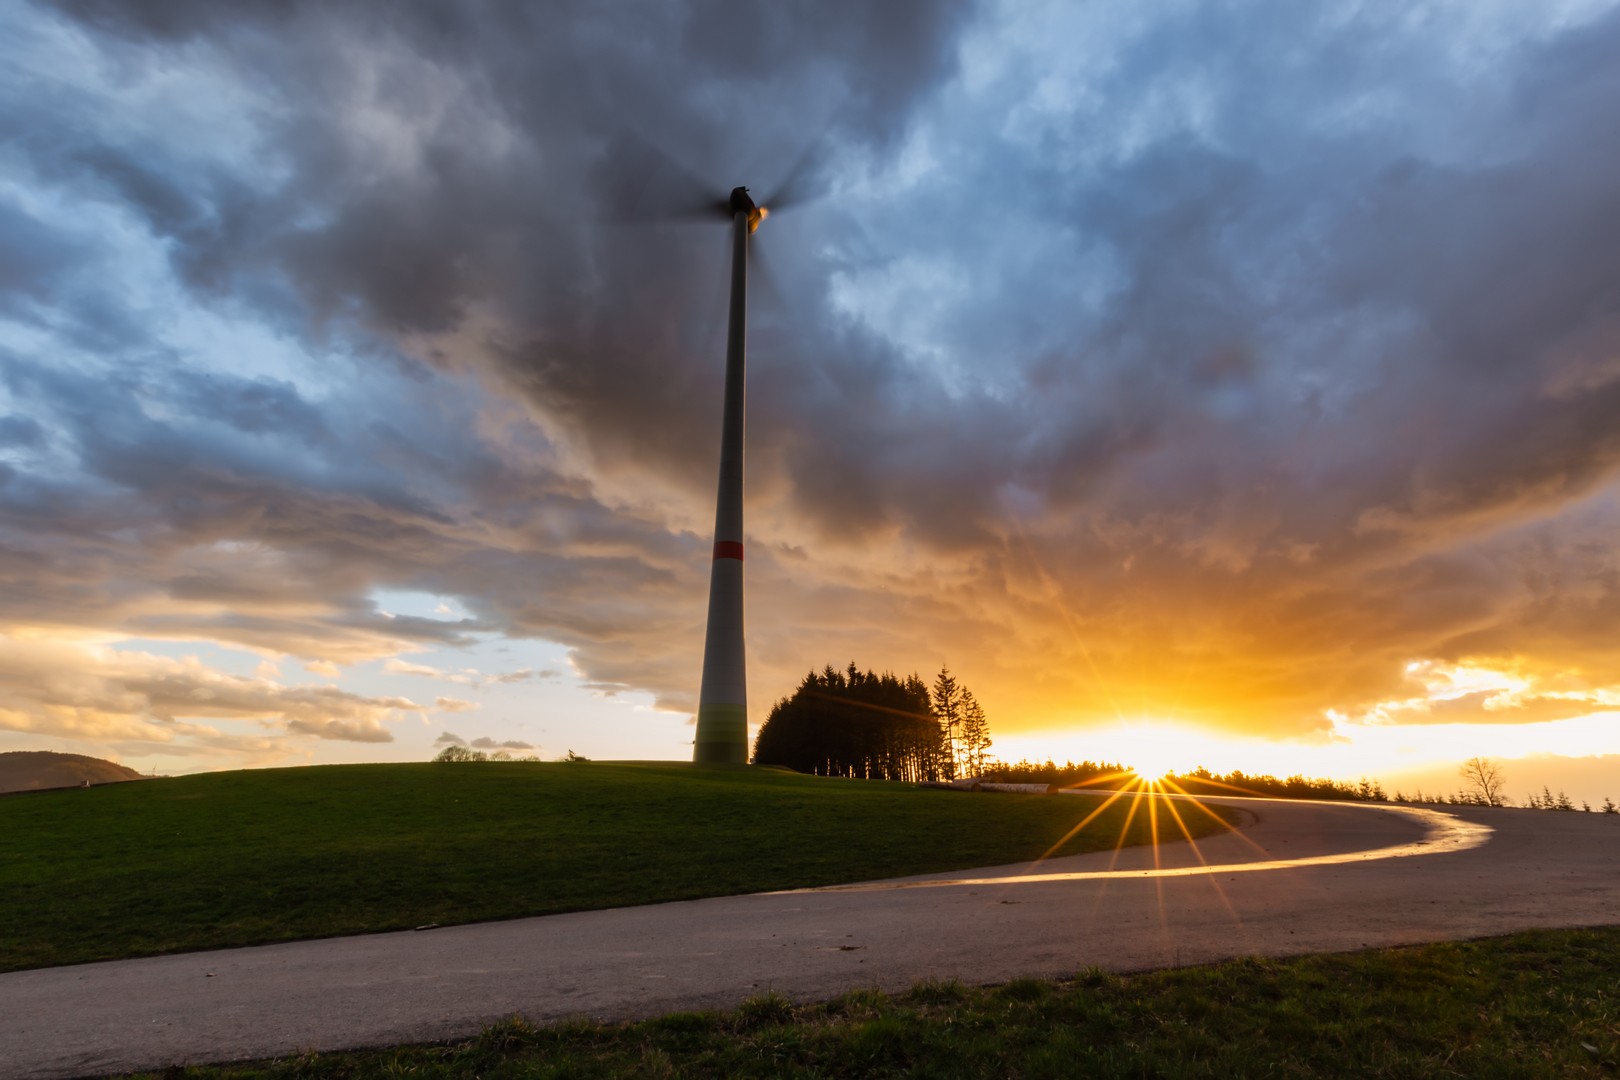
(1537, 1005)
(243, 858)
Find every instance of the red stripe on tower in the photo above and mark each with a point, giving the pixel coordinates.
(728, 549)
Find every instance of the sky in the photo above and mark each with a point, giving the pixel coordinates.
(1232, 383)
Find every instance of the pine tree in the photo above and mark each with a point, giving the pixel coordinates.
(854, 723)
(947, 697)
(975, 733)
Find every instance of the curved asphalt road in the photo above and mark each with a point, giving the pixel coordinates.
(1340, 876)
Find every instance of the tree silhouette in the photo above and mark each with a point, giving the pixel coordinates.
(857, 724)
(1484, 780)
(880, 727)
(975, 734)
(947, 703)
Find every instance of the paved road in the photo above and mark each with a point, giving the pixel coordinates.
(1300, 877)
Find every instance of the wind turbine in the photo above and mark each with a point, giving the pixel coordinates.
(722, 717)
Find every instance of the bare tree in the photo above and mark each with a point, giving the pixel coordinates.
(1485, 780)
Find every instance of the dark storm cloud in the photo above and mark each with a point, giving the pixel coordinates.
(499, 208)
(1323, 372)
(43, 272)
(33, 257)
(257, 517)
(1220, 362)
(511, 113)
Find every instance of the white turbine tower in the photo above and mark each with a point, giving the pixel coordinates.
(722, 718)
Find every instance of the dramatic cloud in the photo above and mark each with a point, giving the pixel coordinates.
(1202, 363)
(90, 692)
(1462, 694)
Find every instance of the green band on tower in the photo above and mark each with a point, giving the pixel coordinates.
(722, 735)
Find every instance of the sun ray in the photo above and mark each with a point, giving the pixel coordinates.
(1103, 779)
(1199, 855)
(1153, 798)
(1149, 792)
(1227, 825)
(1054, 593)
(1124, 831)
(1153, 820)
(1445, 834)
(1185, 832)
(1087, 820)
(1249, 792)
(1136, 804)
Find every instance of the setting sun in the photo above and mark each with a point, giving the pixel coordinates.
(1150, 748)
(1154, 762)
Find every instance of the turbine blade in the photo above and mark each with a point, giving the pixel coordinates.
(805, 182)
(638, 182)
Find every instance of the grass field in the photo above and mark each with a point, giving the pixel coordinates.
(242, 858)
(1544, 1004)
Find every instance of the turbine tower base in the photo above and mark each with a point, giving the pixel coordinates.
(722, 735)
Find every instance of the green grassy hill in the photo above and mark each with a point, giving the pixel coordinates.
(38, 770)
(240, 858)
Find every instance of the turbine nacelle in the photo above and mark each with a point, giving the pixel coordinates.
(742, 203)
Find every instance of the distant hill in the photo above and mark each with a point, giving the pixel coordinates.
(36, 770)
